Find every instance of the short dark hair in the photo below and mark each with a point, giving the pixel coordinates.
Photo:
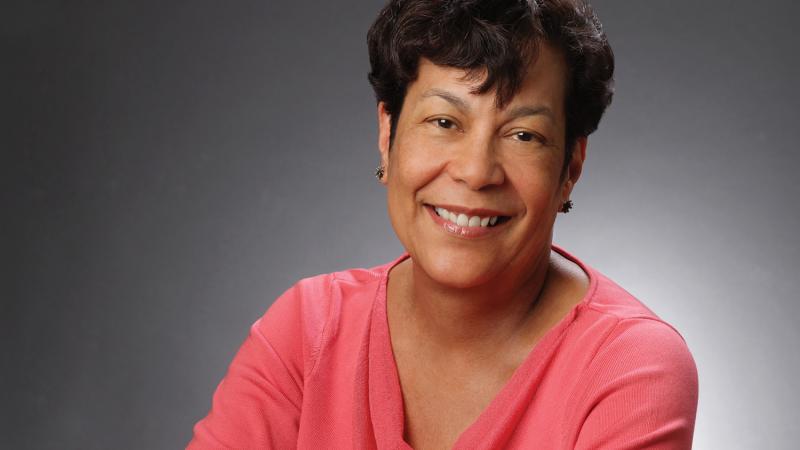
(500, 37)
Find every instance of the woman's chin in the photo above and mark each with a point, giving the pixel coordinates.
(457, 273)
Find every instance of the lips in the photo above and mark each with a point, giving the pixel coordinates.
(467, 222)
(464, 220)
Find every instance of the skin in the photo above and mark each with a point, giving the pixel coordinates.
(465, 313)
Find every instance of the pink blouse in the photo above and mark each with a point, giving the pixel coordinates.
(317, 371)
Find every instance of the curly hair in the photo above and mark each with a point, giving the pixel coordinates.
(498, 38)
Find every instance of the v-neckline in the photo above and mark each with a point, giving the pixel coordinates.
(385, 394)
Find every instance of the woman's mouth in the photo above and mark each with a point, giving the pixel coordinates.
(466, 223)
(464, 220)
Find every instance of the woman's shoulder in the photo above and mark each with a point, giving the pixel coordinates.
(267, 377)
(326, 302)
(610, 298)
(624, 311)
(604, 295)
(611, 319)
(638, 380)
(353, 286)
(634, 370)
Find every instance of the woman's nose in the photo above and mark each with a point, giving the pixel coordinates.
(476, 164)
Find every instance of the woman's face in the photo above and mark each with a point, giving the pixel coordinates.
(473, 190)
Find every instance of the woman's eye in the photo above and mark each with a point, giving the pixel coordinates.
(444, 123)
(525, 136)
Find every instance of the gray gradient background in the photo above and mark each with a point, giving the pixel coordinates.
(169, 168)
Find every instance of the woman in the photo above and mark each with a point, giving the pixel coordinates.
(483, 335)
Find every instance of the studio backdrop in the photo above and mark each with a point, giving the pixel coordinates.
(169, 168)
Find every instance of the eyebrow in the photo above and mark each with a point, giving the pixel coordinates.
(522, 111)
(519, 111)
(447, 96)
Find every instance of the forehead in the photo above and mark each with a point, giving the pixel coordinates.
(544, 82)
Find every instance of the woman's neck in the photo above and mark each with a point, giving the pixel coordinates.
(465, 321)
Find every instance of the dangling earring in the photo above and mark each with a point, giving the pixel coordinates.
(566, 206)
(379, 172)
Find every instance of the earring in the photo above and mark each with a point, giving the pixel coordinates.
(566, 206)
(379, 172)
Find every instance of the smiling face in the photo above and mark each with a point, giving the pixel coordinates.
(473, 190)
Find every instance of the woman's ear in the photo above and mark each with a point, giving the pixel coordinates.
(384, 138)
(575, 167)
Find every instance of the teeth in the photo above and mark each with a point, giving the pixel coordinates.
(463, 220)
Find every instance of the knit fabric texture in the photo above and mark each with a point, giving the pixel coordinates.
(317, 371)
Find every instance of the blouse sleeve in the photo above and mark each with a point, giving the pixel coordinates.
(642, 390)
(258, 403)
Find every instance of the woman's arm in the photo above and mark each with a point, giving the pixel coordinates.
(642, 390)
(258, 403)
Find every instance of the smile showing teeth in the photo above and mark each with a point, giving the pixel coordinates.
(463, 220)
